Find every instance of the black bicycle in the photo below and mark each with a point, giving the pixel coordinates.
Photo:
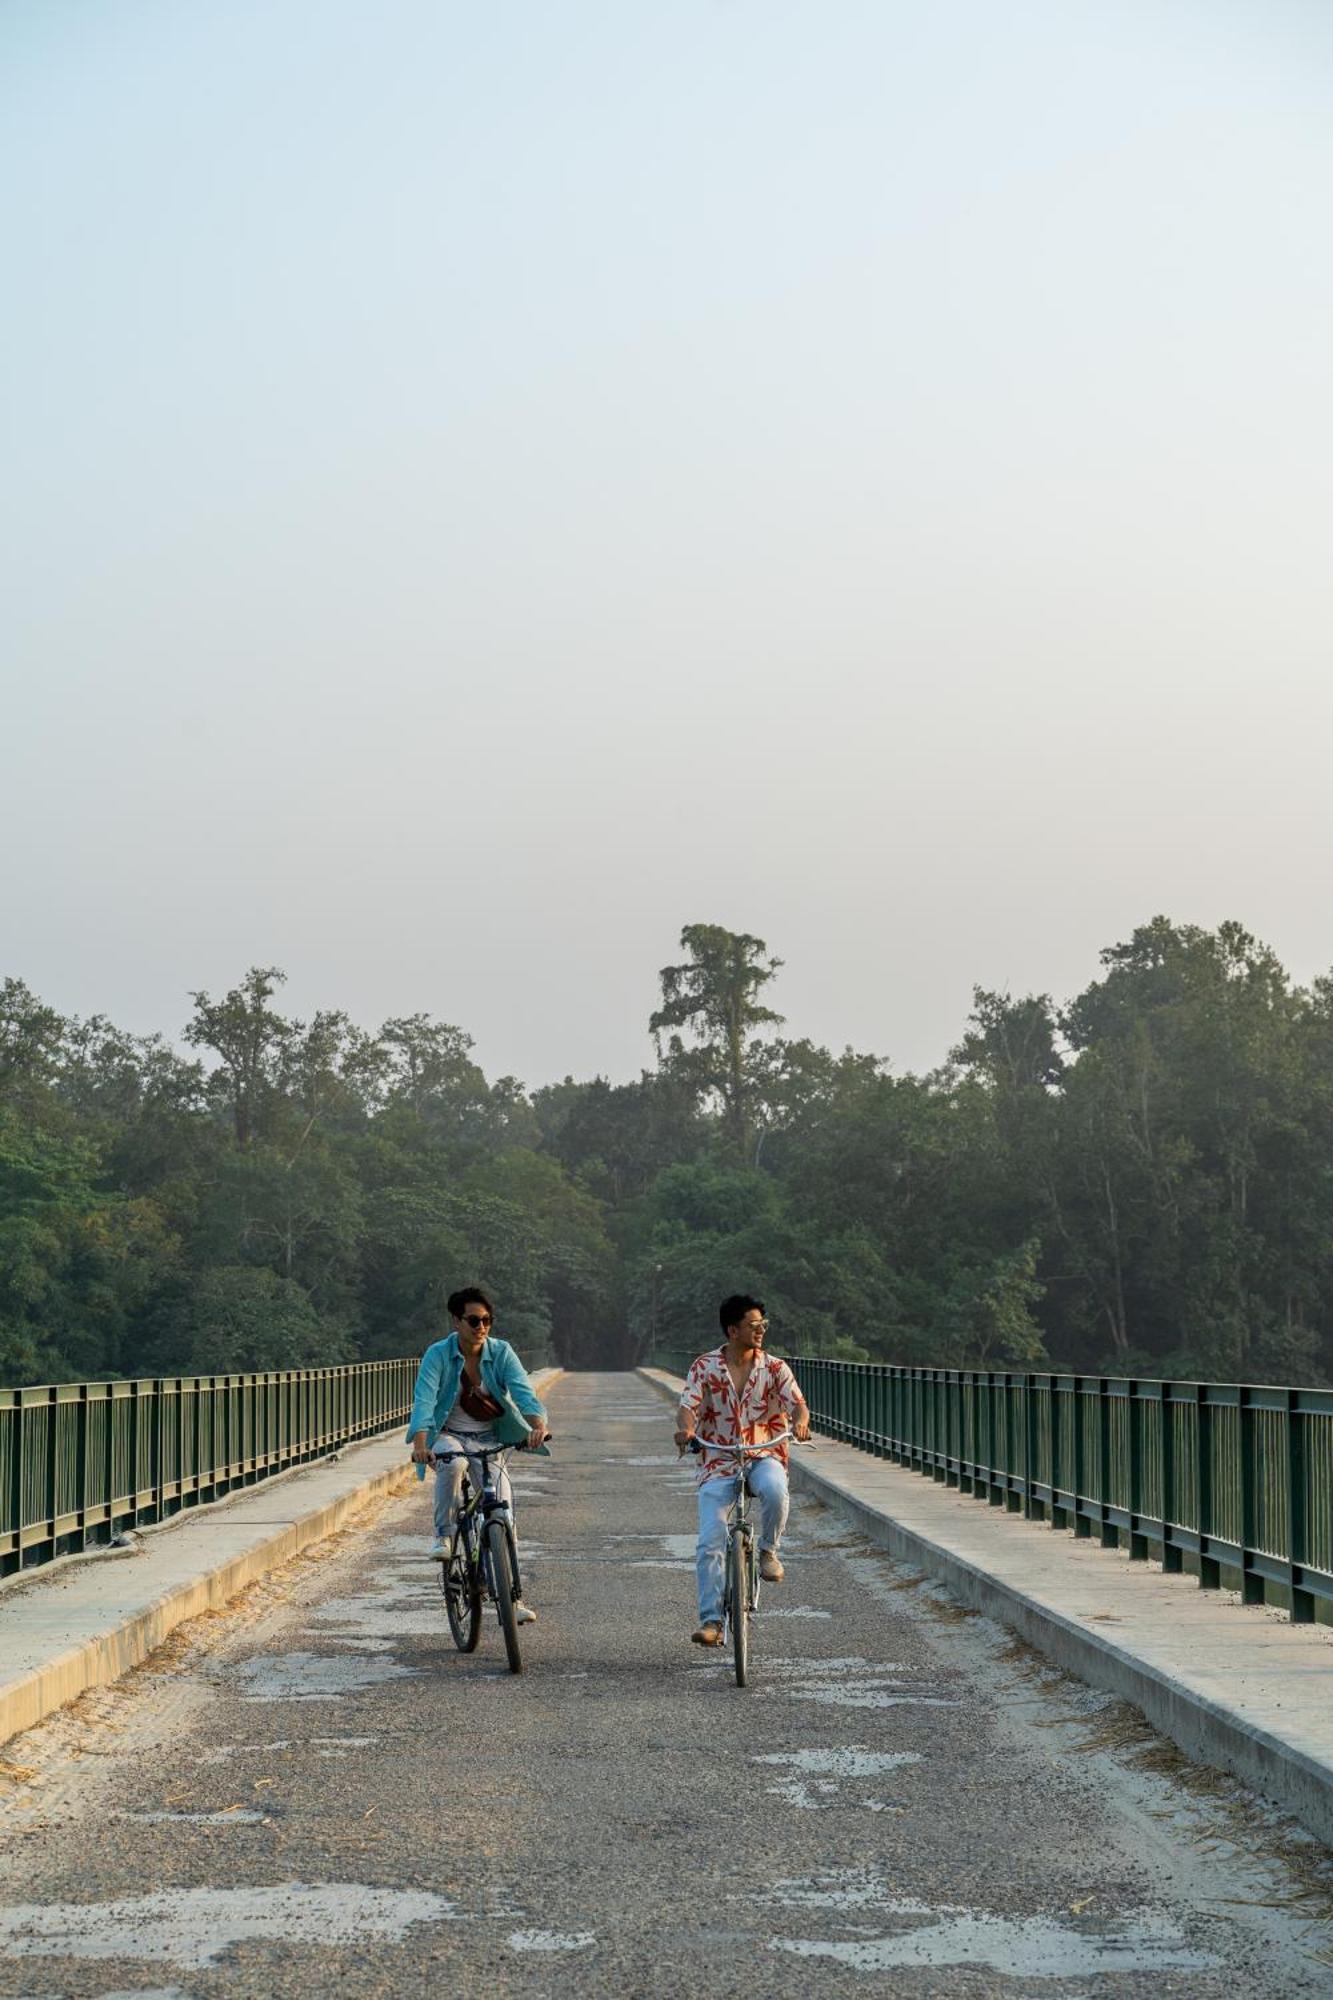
(482, 1560)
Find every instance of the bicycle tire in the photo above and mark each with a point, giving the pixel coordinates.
(462, 1593)
(502, 1582)
(739, 1591)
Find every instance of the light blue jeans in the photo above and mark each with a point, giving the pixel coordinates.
(768, 1483)
(449, 1477)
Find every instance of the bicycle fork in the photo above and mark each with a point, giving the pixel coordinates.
(501, 1513)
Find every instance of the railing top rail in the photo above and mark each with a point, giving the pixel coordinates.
(69, 1392)
(1256, 1395)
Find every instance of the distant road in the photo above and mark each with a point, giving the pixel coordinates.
(315, 1793)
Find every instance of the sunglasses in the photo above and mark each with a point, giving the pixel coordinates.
(476, 1319)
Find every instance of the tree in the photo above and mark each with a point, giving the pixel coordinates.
(29, 1042)
(1012, 1042)
(235, 1319)
(715, 994)
(617, 1138)
(248, 1039)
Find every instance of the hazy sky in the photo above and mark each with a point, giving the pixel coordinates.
(486, 486)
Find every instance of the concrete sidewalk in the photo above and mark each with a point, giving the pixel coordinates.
(1237, 1686)
(85, 1623)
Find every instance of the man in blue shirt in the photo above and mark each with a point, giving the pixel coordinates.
(472, 1394)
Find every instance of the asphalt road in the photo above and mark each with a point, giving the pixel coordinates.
(315, 1792)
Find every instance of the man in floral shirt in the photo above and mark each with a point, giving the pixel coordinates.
(737, 1394)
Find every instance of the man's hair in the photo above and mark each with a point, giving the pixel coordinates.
(471, 1295)
(735, 1308)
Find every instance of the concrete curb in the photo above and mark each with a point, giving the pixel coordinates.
(1204, 1730)
(99, 1661)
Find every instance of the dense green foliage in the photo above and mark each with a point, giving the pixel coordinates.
(1138, 1181)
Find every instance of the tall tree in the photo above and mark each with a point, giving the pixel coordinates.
(247, 1038)
(715, 995)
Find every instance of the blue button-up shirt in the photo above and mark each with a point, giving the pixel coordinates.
(502, 1376)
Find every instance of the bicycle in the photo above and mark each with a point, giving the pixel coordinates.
(740, 1584)
(483, 1558)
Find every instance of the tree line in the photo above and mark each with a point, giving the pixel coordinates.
(1137, 1181)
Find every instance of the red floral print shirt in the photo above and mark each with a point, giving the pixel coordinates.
(769, 1402)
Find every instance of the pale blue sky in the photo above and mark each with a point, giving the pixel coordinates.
(527, 478)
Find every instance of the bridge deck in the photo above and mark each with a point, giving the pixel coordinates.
(314, 1791)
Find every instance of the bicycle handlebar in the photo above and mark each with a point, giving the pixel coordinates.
(698, 1444)
(486, 1452)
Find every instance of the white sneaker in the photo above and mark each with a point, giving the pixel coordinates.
(524, 1614)
(438, 1552)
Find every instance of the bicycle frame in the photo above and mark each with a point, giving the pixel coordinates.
(477, 1509)
(738, 1523)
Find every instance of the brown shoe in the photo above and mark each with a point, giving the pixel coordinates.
(770, 1569)
(707, 1635)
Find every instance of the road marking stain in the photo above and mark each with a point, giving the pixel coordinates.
(873, 1694)
(319, 1746)
(147, 1993)
(218, 1753)
(551, 1940)
(929, 1934)
(846, 1889)
(818, 1779)
(849, 1682)
(681, 1547)
(840, 1664)
(193, 1927)
(1018, 1948)
(848, 1763)
(316, 1676)
(237, 1816)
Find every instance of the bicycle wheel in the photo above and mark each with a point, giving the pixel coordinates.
(502, 1582)
(462, 1593)
(738, 1590)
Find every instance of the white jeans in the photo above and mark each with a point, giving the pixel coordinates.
(768, 1483)
(449, 1477)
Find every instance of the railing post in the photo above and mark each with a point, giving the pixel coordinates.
(16, 1479)
(1210, 1572)
(997, 1405)
(1138, 1543)
(81, 1468)
(52, 1464)
(1251, 1583)
(159, 1450)
(1029, 1427)
(1302, 1601)
(1081, 1524)
(1172, 1556)
(1110, 1534)
(1059, 1514)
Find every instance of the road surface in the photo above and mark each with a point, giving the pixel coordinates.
(315, 1792)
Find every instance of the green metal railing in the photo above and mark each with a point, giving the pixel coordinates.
(80, 1461)
(1229, 1478)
